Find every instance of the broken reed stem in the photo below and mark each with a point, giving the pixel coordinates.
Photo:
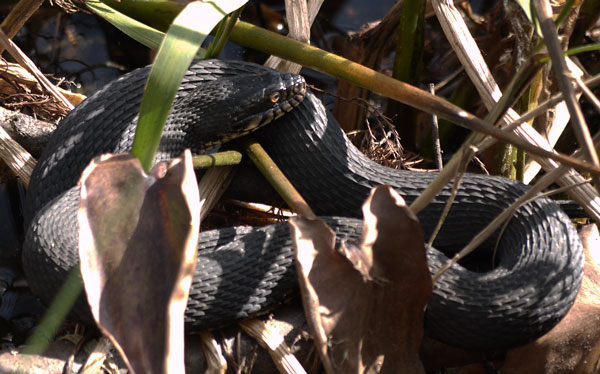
(215, 360)
(20, 162)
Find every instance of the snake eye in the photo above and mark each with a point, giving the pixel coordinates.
(275, 96)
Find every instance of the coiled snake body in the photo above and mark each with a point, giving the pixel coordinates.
(244, 270)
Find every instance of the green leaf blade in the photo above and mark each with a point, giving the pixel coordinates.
(183, 39)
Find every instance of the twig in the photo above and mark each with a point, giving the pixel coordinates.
(589, 95)
(467, 156)
(435, 136)
(442, 178)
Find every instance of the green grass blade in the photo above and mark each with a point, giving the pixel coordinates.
(138, 31)
(217, 45)
(56, 313)
(182, 41)
(142, 33)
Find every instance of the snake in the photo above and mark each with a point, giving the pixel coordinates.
(515, 287)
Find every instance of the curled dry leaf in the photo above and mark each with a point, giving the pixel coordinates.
(364, 302)
(572, 346)
(137, 246)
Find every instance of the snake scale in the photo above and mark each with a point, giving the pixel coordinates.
(242, 271)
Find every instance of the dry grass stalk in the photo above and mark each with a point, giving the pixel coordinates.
(468, 52)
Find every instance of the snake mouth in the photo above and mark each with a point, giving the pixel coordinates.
(295, 93)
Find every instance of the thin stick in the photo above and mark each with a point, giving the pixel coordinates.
(589, 95)
(467, 156)
(442, 179)
(435, 136)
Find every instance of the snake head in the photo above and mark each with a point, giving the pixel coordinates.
(229, 107)
(263, 98)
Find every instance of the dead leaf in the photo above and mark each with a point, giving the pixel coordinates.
(572, 346)
(137, 246)
(365, 302)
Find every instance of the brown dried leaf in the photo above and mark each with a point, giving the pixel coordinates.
(137, 246)
(364, 303)
(572, 346)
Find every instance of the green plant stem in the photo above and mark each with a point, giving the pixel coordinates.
(275, 176)
(411, 35)
(567, 8)
(226, 158)
(408, 62)
(584, 48)
(56, 313)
